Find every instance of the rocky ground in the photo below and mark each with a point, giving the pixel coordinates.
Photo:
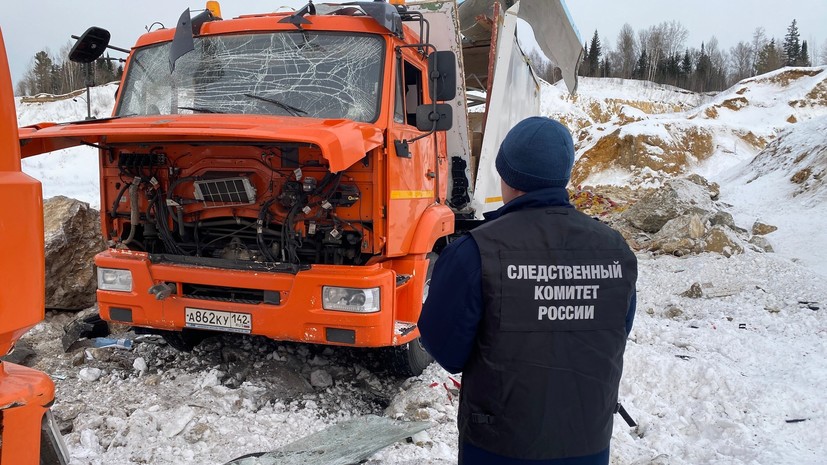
(113, 397)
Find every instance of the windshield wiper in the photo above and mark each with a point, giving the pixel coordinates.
(201, 109)
(290, 108)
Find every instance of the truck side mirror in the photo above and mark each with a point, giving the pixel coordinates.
(442, 71)
(434, 117)
(90, 46)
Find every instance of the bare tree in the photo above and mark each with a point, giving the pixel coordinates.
(823, 54)
(718, 58)
(542, 66)
(627, 52)
(72, 75)
(674, 37)
(28, 84)
(652, 40)
(759, 42)
(742, 59)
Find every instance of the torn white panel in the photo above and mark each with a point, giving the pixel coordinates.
(515, 95)
(556, 35)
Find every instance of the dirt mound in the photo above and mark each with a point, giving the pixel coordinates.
(799, 154)
(645, 153)
(785, 77)
(735, 104)
(605, 111)
(641, 145)
(750, 138)
(601, 100)
(815, 98)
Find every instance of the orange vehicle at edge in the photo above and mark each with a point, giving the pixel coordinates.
(25, 394)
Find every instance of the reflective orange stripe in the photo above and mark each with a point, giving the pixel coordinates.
(397, 195)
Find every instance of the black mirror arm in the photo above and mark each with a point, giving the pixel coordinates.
(422, 136)
(118, 49)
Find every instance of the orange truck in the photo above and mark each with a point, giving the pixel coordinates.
(292, 175)
(28, 434)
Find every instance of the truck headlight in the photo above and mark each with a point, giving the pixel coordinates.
(348, 299)
(110, 279)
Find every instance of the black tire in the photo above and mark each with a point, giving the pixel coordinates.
(410, 359)
(185, 340)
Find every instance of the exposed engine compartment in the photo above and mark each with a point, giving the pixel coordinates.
(275, 203)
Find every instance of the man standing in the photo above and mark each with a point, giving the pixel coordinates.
(534, 307)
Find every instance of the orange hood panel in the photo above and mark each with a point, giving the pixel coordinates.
(342, 142)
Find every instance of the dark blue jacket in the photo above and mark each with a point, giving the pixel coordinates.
(450, 316)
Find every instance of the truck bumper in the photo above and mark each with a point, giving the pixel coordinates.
(289, 307)
(28, 433)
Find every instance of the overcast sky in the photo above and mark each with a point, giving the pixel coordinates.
(47, 24)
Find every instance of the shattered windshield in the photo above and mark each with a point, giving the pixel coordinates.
(320, 75)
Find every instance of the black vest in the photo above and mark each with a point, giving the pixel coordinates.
(542, 379)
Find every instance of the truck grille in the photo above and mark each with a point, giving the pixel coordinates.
(231, 294)
(225, 191)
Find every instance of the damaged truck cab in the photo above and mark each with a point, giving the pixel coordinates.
(287, 174)
(280, 174)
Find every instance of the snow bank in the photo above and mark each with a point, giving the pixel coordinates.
(736, 376)
(71, 172)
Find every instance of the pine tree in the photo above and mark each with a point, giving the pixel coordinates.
(673, 69)
(585, 65)
(594, 56)
(642, 65)
(792, 45)
(42, 73)
(804, 57)
(55, 86)
(769, 59)
(686, 64)
(703, 71)
(104, 71)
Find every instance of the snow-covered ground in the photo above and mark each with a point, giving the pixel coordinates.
(737, 376)
(71, 172)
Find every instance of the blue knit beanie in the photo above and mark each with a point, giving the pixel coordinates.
(536, 153)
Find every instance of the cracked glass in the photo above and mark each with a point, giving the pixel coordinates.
(319, 75)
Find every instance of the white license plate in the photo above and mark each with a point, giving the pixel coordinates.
(216, 320)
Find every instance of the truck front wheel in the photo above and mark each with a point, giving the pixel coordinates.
(411, 359)
(184, 340)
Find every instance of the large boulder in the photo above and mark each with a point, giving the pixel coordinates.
(722, 240)
(73, 237)
(677, 197)
(694, 234)
(762, 229)
(679, 236)
(683, 218)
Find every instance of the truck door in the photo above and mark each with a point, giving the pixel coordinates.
(411, 172)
